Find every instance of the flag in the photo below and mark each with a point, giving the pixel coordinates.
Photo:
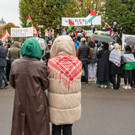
(105, 32)
(5, 36)
(71, 25)
(28, 20)
(90, 15)
(34, 30)
(77, 35)
(40, 26)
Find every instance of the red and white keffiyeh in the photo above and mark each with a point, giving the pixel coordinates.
(65, 66)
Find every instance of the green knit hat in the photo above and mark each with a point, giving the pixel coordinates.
(31, 48)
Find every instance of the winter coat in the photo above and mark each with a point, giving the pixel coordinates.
(93, 57)
(28, 77)
(76, 45)
(14, 52)
(3, 54)
(64, 103)
(103, 66)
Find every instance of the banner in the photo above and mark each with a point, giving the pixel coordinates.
(81, 21)
(22, 32)
(124, 36)
(88, 33)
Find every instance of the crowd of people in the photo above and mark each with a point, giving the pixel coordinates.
(70, 59)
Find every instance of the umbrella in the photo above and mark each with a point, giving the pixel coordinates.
(102, 38)
(130, 41)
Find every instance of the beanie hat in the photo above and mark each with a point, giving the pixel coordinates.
(31, 48)
(1, 43)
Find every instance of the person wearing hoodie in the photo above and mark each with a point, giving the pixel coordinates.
(115, 66)
(64, 93)
(76, 45)
(28, 76)
(14, 51)
(128, 67)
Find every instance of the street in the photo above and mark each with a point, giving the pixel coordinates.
(104, 111)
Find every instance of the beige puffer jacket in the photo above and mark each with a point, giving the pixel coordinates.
(64, 104)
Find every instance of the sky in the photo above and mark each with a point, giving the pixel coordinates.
(9, 11)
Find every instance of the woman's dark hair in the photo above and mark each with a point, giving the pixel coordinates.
(128, 48)
(96, 41)
(105, 46)
(91, 44)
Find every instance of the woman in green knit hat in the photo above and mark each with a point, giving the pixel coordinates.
(28, 77)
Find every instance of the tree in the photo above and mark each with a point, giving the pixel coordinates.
(1, 32)
(95, 5)
(8, 27)
(122, 12)
(46, 12)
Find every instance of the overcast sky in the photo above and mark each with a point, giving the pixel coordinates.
(9, 11)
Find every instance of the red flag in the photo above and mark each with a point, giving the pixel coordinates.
(5, 36)
(70, 22)
(75, 35)
(29, 17)
(92, 13)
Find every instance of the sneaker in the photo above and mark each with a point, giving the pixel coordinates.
(129, 87)
(105, 86)
(112, 88)
(89, 80)
(101, 86)
(125, 87)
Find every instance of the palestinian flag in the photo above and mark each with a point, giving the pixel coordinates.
(90, 15)
(77, 35)
(71, 25)
(5, 36)
(105, 32)
(28, 20)
(40, 26)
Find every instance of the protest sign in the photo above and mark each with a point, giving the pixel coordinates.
(22, 32)
(88, 33)
(81, 21)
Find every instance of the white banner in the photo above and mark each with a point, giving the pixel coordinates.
(88, 33)
(81, 21)
(22, 32)
(124, 36)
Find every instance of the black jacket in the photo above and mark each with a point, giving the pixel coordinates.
(83, 53)
(3, 55)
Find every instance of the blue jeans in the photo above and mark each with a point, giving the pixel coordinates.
(46, 38)
(85, 66)
(2, 76)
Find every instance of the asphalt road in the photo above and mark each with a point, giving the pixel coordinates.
(104, 111)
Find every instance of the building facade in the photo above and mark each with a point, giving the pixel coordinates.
(2, 22)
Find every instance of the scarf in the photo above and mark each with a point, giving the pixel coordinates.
(115, 57)
(66, 67)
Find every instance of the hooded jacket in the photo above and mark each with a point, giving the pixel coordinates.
(28, 76)
(64, 103)
(76, 45)
(14, 51)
